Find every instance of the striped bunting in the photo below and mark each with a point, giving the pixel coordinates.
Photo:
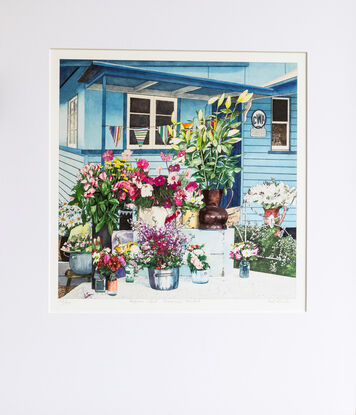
(116, 133)
(140, 135)
(163, 132)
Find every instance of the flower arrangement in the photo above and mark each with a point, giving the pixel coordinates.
(162, 247)
(271, 195)
(244, 251)
(109, 264)
(174, 190)
(78, 243)
(100, 191)
(196, 258)
(68, 217)
(131, 252)
(206, 143)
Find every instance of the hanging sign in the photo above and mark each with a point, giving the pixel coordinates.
(258, 120)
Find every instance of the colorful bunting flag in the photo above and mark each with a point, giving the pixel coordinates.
(163, 132)
(116, 133)
(140, 136)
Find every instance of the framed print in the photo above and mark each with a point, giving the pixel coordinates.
(178, 181)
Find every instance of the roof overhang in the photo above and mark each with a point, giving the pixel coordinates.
(122, 78)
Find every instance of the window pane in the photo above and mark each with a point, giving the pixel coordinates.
(163, 120)
(164, 107)
(139, 120)
(140, 105)
(280, 110)
(279, 135)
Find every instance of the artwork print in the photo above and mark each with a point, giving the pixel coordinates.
(177, 181)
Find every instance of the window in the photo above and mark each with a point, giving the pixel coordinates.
(72, 122)
(147, 118)
(280, 124)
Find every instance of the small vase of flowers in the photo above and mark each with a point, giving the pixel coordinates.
(162, 249)
(244, 252)
(79, 247)
(131, 252)
(109, 266)
(197, 261)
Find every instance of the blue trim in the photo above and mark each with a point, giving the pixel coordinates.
(124, 122)
(179, 109)
(282, 152)
(103, 119)
(111, 69)
(94, 79)
(98, 152)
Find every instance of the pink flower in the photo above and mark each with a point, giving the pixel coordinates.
(167, 203)
(108, 155)
(165, 157)
(159, 180)
(187, 173)
(173, 178)
(142, 164)
(158, 169)
(126, 155)
(191, 187)
(106, 258)
(174, 167)
(178, 202)
(181, 153)
(102, 176)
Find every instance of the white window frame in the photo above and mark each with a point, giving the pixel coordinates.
(287, 123)
(72, 119)
(152, 129)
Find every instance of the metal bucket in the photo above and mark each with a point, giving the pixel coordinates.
(163, 279)
(80, 263)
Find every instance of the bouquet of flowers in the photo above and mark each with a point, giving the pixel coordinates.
(78, 243)
(244, 251)
(101, 191)
(174, 190)
(131, 251)
(196, 258)
(162, 247)
(109, 264)
(68, 217)
(271, 195)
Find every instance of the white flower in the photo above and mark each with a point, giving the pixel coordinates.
(172, 178)
(146, 190)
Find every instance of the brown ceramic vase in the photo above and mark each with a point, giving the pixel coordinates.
(212, 216)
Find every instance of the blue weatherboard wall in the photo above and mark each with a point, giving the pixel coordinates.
(259, 163)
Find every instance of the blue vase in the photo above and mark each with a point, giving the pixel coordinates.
(163, 279)
(244, 269)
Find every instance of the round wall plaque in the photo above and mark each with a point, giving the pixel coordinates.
(258, 118)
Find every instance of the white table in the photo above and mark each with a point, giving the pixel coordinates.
(258, 286)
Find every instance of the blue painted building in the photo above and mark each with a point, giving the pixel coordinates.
(142, 94)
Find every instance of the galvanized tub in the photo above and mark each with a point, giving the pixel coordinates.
(163, 279)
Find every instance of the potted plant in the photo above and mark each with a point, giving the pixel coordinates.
(68, 218)
(272, 196)
(244, 252)
(208, 142)
(100, 192)
(110, 267)
(79, 247)
(162, 249)
(197, 261)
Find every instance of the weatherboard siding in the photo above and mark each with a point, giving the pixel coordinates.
(69, 165)
(260, 164)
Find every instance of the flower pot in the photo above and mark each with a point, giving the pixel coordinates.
(105, 237)
(154, 215)
(212, 216)
(190, 219)
(200, 277)
(81, 263)
(130, 273)
(163, 279)
(244, 269)
(274, 214)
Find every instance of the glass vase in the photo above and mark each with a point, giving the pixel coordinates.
(244, 269)
(200, 277)
(99, 283)
(130, 274)
(112, 287)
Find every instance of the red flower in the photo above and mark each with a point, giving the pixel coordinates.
(191, 187)
(114, 263)
(159, 180)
